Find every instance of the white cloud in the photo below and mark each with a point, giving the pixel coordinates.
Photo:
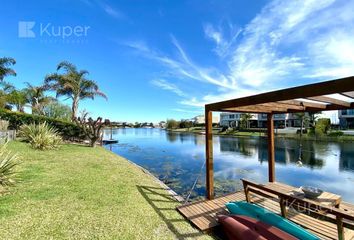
(222, 42)
(295, 40)
(168, 86)
(182, 66)
(217, 97)
(107, 8)
(113, 12)
(288, 43)
(186, 111)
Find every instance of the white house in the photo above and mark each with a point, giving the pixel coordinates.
(260, 120)
(346, 118)
(233, 119)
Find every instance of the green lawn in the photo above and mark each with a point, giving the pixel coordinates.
(83, 193)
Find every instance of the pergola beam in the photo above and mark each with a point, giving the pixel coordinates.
(348, 94)
(304, 104)
(246, 110)
(330, 100)
(271, 151)
(209, 154)
(311, 90)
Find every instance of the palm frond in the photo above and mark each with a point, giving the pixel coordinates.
(67, 66)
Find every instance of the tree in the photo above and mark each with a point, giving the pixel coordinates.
(57, 110)
(304, 121)
(36, 98)
(18, 99)
(312, 118)
(245, 120)
(322, 126)
(73, 84)
(185, 124)
(7, 88)
(91, 128)
(5, 69)
(172, 124)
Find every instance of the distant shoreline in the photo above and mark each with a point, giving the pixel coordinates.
(344, 138)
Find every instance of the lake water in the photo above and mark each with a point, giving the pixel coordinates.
(178, 158)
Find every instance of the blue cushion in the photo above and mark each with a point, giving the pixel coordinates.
(261, 214)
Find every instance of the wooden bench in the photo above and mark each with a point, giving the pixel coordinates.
(289, 204)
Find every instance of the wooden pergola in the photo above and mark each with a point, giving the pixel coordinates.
(307, 98)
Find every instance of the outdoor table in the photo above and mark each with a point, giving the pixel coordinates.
(325, 199)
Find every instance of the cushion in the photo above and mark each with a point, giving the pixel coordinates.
(254, 211)
(265, 230)
(235, 230)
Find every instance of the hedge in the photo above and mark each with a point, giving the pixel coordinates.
(67, 129)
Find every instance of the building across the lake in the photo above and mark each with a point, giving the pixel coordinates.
(260, 120)
(346, 118)
(234, 119)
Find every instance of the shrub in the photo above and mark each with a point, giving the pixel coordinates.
(185, 124)
(8, 162)
(57, 110)
(322, 126)
(172, 124)
(41, 136)
(336, 134)
(67, 130)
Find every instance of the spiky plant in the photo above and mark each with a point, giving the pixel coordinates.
(41, 136)
(73, 84)
(8, 163)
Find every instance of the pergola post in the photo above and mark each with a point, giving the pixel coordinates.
(209, 154)
(271, 155)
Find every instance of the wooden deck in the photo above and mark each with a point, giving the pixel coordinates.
(202, 214)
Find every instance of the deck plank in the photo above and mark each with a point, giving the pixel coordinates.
(203, 214)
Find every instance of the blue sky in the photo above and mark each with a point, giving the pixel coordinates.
(166, 59)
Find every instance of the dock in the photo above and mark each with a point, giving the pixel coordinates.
(202, 214)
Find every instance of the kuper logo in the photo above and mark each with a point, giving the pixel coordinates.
(30, 29)
(25, 29)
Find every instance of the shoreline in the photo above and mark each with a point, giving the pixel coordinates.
(305, 137)
(170, 191)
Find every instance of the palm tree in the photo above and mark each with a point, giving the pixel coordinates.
(5, 70)
(6, 89)
(73, 84)
(36, 97)
(245, 120)
(18, 99)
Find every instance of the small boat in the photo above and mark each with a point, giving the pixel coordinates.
(109, 141)
(251, 210)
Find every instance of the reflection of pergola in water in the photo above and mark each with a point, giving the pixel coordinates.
(324, 96)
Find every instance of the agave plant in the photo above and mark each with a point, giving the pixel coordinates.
(41, 136)
(8, 162)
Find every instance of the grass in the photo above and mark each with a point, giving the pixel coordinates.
(78, 192)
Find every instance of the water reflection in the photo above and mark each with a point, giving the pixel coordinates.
(177, 159)
(346, 160)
